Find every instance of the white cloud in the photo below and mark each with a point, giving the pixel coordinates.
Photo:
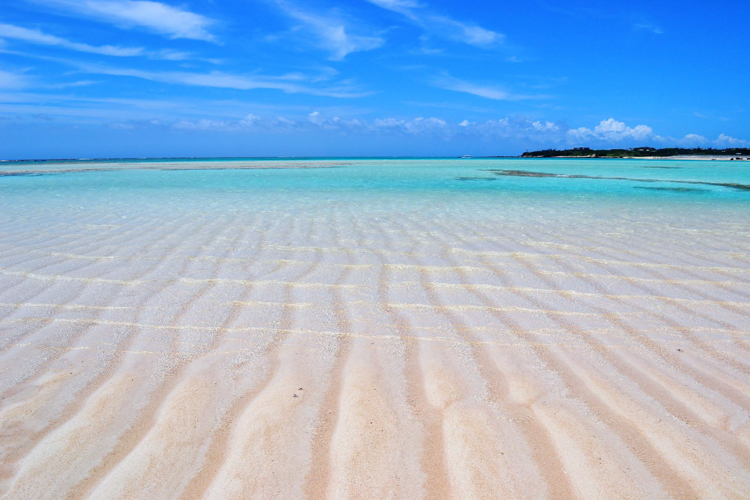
(693, 140)
(39, 38)
(467, 33)
(507, 128)
(230, 116)
(611, 131)
(316, 121)
(513, 129)
(205, 125)
(172, 22)
(335, 123)
(171, 55)
(518, 129)
(728, 142)
(10, 80)
(648, 27)
(331, 32)
(416, 126)
(401, 6)
(545, 126)
(315, 118)
(440, 25)
(486, 91)
(249, 120)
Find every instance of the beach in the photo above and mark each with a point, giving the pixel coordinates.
(375, 329)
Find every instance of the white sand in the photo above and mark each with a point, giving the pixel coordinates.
(332, 353)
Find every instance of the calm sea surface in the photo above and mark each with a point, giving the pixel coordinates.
(503, 187)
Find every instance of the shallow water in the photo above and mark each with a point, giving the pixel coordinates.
(482, 187)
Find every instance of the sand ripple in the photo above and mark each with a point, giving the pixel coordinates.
(337, 354)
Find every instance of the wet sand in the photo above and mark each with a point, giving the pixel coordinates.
(335, 353)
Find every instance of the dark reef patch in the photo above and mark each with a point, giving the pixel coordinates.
(523, 173)
(34, 173)
(476, 178)
(27, 174)
(674, 189)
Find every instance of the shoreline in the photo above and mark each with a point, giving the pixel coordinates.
(678, 157)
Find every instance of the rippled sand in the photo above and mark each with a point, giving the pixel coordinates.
(340, 353)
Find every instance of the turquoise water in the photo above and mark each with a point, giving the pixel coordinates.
(511, 187)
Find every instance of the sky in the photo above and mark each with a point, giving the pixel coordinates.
(243, 78)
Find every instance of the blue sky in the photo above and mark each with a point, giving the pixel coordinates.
(113, 78)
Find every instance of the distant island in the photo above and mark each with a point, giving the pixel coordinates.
(635, 153)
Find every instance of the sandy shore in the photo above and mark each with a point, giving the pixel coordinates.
(697, 157)
(35, 168)
(330, 353)
(677, 157)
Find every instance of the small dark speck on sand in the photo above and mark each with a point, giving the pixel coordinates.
(301, 389)
(679, 350)
(296, 396)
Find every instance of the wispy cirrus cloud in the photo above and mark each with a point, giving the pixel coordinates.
(321, 83)
(37, 37)
(74, 107)
(9, 80)
(167, 20)
(440, 25)
(294, 83)
(482, 90)
(648, 27)
(331, 31)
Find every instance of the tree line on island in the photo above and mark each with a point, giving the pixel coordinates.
(634, 152)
